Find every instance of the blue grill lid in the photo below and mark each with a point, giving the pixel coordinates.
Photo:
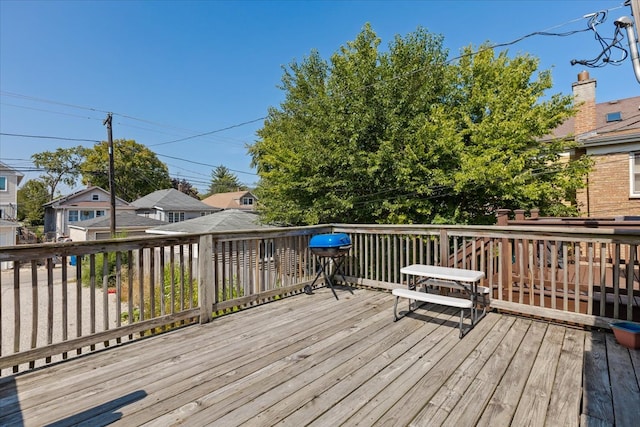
(333, 240)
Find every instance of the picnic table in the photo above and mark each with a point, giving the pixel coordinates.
(422, 278)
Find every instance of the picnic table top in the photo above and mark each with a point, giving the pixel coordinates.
(445, 273)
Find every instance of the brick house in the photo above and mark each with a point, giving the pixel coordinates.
(609, 132)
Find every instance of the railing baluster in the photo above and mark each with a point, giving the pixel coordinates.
(17, 314)
(79, 264)
(49, 304)
(105, 292)
(65, 304)
(162, 282)
(141, 275)
(603, 279)
(631, 261)
(616, 282)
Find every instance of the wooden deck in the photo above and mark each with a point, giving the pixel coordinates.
(312, 360)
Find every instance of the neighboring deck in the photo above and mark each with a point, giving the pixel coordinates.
(310, 359)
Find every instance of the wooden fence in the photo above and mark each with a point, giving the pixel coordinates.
(65, 299)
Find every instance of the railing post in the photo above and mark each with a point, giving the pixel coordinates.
(505, 256)
(205, 277)
(444, 248)
(503, 217)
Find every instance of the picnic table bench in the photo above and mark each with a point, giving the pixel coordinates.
(430, 276)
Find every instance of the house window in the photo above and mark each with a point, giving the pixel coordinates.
(84, 215)
(175, 216)
(95, 197)
(3, 183)
(1, 214)
(73, 216)
(99, 213)
(634, 174)
(247, 201)
(614, 117)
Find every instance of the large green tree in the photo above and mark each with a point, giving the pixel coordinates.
(138, 171)
(31, 199)
(60, 167)
(403, 135)
(224, 181)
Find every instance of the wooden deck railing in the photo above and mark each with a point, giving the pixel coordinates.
(584, 276)
(64, 299)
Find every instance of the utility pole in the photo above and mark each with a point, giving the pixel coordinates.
(112, 174)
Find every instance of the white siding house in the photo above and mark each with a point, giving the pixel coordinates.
(171, 205)
(91, 202)
(9, 181)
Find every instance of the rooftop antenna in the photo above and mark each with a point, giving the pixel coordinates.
(628, 24)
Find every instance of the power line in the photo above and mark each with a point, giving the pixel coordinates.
(203, 164)
(48, 101)
(604, 57)
(49, 111)
(209, 133)
(59, 138)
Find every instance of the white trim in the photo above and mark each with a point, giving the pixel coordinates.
(632, 175)
(613, 149)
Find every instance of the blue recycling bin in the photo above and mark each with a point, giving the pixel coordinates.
(72, 260)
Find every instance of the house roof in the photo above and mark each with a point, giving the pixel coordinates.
(123, 219)
(227, 220)
(68, 199)
(229, 200)
(171, 199)
(629, 109)
(5, 167)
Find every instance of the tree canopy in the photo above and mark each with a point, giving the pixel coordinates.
(32, 197)
(60, 167)
(406, 136)
(138, 171)
(224, 181)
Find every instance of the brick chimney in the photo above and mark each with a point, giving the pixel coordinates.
(584, 93)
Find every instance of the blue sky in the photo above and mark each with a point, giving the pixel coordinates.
(170, 70)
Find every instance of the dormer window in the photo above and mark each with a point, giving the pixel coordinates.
(95, 197)
(614, 117)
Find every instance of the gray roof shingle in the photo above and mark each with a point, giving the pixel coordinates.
(227, 220)
(123, 219)
(171, 199)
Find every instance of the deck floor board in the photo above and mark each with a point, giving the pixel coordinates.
(315, 360)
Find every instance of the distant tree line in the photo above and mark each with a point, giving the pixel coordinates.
(138, 172)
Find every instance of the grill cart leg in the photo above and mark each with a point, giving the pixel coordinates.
(327, 279)
(308, 289)
(338, 262)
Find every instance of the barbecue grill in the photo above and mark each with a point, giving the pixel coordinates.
(330, 249)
